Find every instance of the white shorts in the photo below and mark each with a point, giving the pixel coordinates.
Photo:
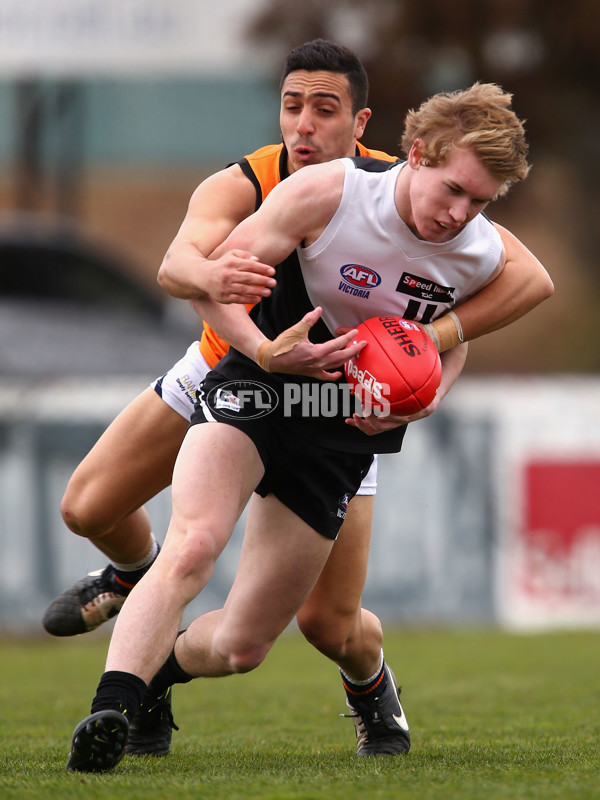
(369, 482)
(178, 386)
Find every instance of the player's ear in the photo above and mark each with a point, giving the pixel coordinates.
(360, 122)
(417, 154)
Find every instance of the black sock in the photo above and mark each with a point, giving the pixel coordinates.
(359, 692)
(119, 691)
(169, 674)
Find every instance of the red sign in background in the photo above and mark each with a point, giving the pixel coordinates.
(560, 538)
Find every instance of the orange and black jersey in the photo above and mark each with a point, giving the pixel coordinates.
(267, 167)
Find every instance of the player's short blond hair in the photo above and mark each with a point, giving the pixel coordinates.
(479, 118)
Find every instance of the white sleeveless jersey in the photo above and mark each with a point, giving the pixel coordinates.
(367, 261)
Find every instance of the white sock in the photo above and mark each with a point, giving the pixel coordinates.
(368, 680)
(144, 562)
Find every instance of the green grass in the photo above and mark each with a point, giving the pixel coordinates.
(492, 715)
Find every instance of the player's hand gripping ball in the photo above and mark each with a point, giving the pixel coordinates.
(399, 369)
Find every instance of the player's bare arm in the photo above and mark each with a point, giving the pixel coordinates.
(291, 352)
(218, 204)
(288, 217)
(519, 287)
(518, 284)
(295, 213)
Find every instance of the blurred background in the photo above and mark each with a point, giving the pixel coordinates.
(112, 112)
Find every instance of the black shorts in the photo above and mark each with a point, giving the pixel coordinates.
(315, 482)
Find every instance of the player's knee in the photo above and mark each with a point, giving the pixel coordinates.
(81, 515)
(327, 631)
(240, 657)
(192, 555)
(246, 660)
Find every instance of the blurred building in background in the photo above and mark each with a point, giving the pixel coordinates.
(112, 112)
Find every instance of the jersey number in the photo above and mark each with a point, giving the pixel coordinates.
(413, 310)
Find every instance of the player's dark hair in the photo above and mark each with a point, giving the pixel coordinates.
(321, 54)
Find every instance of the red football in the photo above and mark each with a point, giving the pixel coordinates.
(399, 369)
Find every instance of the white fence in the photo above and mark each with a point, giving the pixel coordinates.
(491, 513)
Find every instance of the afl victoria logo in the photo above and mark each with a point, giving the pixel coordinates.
(242, 399)
(359, 276)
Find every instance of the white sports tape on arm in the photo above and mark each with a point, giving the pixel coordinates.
(285, 342)
(445, 332)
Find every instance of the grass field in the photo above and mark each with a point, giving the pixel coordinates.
(492, 715)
